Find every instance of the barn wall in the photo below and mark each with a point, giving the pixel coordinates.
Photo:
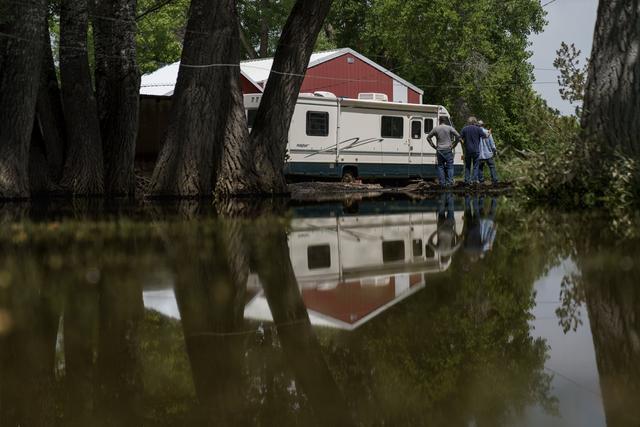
(247, 86)
(353, 78)
(154, 120)
(414, 97)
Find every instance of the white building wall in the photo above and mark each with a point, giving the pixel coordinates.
(400, 92)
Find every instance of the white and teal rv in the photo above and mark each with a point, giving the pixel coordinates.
(366, 138)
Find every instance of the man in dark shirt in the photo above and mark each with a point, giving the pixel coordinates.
(472, 135)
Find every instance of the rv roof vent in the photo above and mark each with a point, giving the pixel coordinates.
(381, 97)
(324, 94)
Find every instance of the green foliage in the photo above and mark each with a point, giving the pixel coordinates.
(262, 22)
(573, 76)
(469, 55)
(160, 33)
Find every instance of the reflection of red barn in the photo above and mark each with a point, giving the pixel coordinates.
(345, 305)
(354, 302)
(343, 72)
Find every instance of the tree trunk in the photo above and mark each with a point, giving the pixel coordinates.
(191, 153)
(270, 130)
(237, 153)
(39, 180)
(117, 86)
(83, 171)
(20, 63)
(50, 118)
(251, 53)
(612, 98)
(264, 29)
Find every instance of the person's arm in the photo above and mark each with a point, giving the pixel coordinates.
(492, 145)
(456, 138)
(429, 138)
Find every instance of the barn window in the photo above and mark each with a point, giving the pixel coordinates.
(318, 256)
(251, 116)
(317, 123)
(428, 125)
(392, 127)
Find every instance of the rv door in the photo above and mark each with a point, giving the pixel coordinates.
(416, 146)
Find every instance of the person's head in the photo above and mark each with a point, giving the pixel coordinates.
(442, 120)
(472, 121)
(480, 123)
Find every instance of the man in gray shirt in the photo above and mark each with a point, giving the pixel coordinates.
(446, 140)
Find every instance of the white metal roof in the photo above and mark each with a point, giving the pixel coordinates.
(162, 81)
(259, 69)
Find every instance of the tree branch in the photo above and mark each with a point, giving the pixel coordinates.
(156, 7)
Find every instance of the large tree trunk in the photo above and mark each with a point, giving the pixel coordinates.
(50, 118)
(117, 87)
(20, 63)
(83, 171)
(192, 148)
(264, 29)
(270, 130)
(612, 98)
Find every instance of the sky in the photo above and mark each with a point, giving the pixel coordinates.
(572, 21)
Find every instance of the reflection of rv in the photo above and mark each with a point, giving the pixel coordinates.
(347, 138)
(352, 268)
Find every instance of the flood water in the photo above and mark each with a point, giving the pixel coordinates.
(445, 312)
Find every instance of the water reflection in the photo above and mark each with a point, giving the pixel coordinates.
(381, 313)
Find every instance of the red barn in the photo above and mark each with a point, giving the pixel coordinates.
(344, 72)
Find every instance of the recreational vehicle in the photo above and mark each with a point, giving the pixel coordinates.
(366, 137)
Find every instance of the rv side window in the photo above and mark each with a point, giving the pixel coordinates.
(393, 251)
(428, 125)
(416, 129)
(392, 127)
(318, 256)
(251, 116)
(317, 123)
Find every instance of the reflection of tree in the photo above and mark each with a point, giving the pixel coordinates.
(607, 285)
(460, 350)
(90, 376)
(613, 302)
(30, 314)
(210, 291)
(299, 342)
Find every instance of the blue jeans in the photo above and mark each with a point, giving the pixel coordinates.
(492, 170)
(471, 167)
(445, 165)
